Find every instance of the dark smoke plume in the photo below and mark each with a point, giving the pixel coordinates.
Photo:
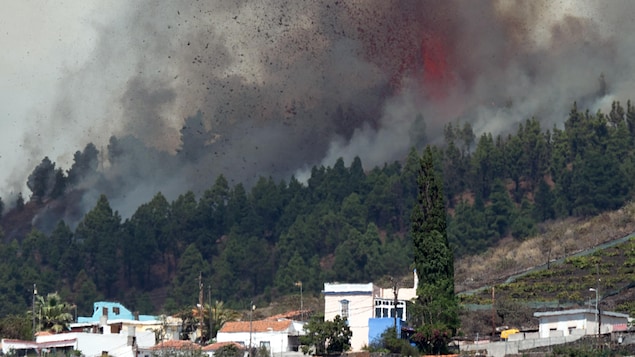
(193, 89)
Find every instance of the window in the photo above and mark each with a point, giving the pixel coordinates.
(115, 310)
(344, 308)
(385, 308)
(116, 328)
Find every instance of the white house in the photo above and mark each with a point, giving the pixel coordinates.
(579, 321)
(22, 346)
(90, 344)
(360, 302)
(112, 328)
(276, 335)
(112, 317)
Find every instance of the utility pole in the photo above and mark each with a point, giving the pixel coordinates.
(597, 309)
(200, 304)
(395, 291)
(493, 313)
(209, 296)
(251, 310)
(598, 314)
(597, 300)
(33, 308)
(299, 283)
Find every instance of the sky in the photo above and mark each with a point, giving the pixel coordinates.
(194, 89)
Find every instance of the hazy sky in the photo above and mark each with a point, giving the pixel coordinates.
(284, 85)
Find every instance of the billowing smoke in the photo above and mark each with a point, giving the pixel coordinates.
(194, 89)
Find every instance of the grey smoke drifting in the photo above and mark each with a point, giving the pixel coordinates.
(193, 89)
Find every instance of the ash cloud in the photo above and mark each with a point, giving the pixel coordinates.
(191, 90)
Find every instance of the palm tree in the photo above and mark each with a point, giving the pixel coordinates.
(218, 313)
(53, 313)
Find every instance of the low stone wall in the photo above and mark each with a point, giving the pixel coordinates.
(510, 347)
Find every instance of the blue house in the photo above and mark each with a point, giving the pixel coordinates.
(113, 311)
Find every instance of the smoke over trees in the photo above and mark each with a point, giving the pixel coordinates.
(252, 120)
(175, 94)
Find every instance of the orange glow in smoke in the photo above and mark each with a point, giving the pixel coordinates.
(437, 78)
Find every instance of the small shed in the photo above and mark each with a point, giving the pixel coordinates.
(579, 322)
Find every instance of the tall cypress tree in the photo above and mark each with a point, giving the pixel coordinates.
(437, 308)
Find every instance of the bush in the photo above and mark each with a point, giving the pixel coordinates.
(433, 339)
(229, 351)
(389, 342)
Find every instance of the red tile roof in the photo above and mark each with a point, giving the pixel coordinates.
(48, 344)
(289, 315)
(256, 326)
(180, 344)
(44, 333)
(217, 345)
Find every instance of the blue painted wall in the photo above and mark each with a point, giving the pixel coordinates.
(116, 311)
(377, 326)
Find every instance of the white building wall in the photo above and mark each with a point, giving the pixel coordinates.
(298, 327)
(92, 344)
(360, 299)
(145, 338)
(122, 351)
(562, 323)
(572, 323)
(240, 337)
(278, 340)
(403, 293)
(361, 302)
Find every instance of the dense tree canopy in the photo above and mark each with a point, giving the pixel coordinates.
(347, 222)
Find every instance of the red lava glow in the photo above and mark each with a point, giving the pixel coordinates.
(411, 41)
(437, 77)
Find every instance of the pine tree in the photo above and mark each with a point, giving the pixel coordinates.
(185, 284)
(437, 307)
(100, 233)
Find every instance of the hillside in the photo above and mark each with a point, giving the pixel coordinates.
(344, 223)
(558, 239)
(564, 243)
(582, 253)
